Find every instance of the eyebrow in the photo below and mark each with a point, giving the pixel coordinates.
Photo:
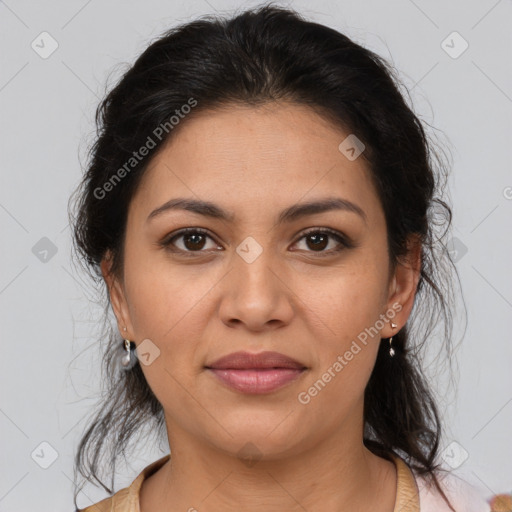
(290, 214)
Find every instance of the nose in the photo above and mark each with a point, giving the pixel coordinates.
(256, 293)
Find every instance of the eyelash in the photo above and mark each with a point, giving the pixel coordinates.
(342, 240)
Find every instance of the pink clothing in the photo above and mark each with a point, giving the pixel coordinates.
(463, 496)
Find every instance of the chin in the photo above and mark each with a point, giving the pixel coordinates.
(260, 438)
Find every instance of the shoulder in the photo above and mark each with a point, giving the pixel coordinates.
(463, 496)
(105, 505)
(119, 499)
(127, 499)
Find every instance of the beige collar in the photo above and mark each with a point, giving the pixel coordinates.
(407, 493)
(127, 499)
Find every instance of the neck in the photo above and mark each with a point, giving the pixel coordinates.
(339, 473)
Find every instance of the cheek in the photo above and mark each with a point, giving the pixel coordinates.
(344, 313)
(167, 305)
(165, 298)
(348, 303)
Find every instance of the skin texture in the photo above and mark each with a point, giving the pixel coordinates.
(255, 162)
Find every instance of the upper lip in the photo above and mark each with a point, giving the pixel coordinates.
(246, 361)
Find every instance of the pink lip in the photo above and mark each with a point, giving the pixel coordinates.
(256, 373)
(248, 361)
(257, 381)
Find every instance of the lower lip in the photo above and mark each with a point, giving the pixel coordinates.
(255, 381)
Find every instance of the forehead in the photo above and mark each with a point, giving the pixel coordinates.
(244, 157)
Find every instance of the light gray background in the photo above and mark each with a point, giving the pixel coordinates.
(48, 368)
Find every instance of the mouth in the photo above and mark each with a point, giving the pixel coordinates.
(256, 373)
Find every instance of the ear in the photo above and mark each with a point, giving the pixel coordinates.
(117, 297)
(403, 285)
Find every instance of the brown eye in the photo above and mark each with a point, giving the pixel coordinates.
(189, 240)
(318, 239)
(194, 241)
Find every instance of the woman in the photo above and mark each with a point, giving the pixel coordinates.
(259, 204)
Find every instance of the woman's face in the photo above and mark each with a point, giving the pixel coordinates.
(255, 282)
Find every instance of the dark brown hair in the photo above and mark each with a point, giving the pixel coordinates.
(264, 55)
